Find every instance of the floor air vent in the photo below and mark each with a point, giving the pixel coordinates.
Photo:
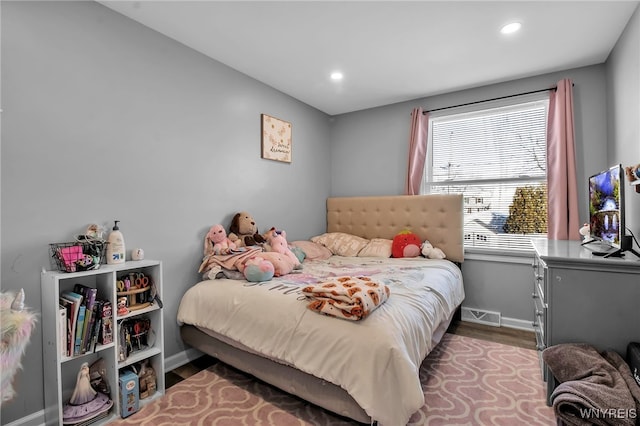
(480, 316)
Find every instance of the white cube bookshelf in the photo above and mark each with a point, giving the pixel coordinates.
(60, 371)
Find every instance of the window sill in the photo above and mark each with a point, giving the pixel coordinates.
(524, 257)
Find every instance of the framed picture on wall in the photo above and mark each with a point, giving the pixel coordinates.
(276, 139)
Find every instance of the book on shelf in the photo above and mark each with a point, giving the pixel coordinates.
(69, 309)
(97, 325)
(75, 300)
(90, 298)
(86, 329)
(63, 327)
(89, 293)
(93, 329)
(79, 328)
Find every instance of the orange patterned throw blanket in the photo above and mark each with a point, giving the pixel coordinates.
(352, 298)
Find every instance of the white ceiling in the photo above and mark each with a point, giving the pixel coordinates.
(389, 51)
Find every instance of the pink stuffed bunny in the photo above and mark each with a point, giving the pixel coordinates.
(277, 241)
(217, 236)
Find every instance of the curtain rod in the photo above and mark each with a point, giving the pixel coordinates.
(493, 99)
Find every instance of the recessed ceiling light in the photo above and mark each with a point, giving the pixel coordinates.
(511, 28)
(336, 76)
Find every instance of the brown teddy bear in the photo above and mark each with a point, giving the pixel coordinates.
(244, 231)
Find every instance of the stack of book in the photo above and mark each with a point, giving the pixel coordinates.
(85, 321)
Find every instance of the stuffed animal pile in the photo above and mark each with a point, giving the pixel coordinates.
(257, 257)
(261, 257)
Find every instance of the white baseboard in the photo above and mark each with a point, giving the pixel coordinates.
(516, 323)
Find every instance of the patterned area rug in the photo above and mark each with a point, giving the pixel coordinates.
(466, 381)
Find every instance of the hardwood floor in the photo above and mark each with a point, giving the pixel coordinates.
(504, 335)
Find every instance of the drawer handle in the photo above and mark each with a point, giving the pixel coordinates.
(538, 313)
(534, 295)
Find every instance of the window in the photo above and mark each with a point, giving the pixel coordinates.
(494, 154)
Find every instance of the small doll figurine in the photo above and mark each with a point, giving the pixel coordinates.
(83, 391)
(585, 231)
(86, 403)
(122, 306)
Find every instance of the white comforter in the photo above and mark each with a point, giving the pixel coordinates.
(376, 360)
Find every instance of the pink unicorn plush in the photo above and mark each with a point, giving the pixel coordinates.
(277, 241)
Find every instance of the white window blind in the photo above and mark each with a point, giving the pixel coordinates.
(495, 157)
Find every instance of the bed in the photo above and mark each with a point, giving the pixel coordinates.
(365, 370)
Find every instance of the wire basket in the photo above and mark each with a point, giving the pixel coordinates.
(78, 255)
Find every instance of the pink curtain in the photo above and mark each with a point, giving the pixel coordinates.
(563, 220)
(417, 151)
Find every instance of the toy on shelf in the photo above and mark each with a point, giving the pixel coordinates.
(146, 379)
(133, 288)
(86, 403)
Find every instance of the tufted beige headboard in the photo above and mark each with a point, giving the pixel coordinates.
(437, 218)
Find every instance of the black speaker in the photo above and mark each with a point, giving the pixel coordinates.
(626, 243)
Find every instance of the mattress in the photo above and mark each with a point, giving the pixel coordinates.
(376, 360)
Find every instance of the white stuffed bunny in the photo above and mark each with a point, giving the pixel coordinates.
(431, 252)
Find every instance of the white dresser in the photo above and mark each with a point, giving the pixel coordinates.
(582, 298)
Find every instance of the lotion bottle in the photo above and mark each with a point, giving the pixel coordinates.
(115, 248)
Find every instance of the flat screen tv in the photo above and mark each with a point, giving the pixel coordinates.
(606, 209)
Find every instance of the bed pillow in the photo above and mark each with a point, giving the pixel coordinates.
(341, 243)
(312, 251)
(377, 247)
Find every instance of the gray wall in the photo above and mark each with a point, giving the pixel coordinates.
(369, 151)
(105, 119)
(623, 87)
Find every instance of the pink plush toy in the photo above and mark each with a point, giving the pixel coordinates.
(282, 264)
(257, 269)
(217, 242)
(277, 242)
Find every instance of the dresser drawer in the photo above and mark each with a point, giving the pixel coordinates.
(539, 320)
(539, 278)
(539, 327)
(540, 311)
